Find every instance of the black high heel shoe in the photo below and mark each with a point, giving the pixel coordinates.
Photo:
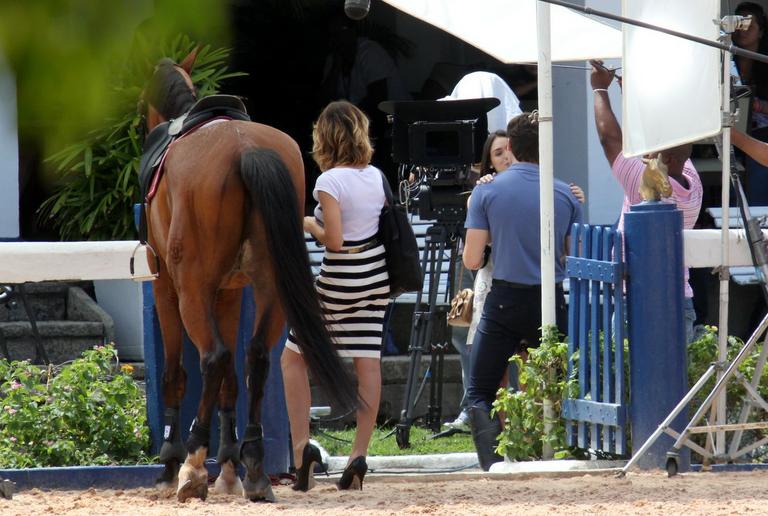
(305, 475)
(353, 475)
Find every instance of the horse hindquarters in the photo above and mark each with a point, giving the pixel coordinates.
(273, 196)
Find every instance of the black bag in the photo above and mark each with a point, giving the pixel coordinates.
(402, 250)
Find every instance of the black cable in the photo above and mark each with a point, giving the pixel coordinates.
(329, 436)
(411, 471)
(319, 420)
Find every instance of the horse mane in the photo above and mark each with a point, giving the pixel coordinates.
(168, 91)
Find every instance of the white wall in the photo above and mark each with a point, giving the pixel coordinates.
(9, 156)
(604, 195)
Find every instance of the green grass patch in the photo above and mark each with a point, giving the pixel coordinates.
(420, 441)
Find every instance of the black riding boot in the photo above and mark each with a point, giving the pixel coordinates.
(484, 433)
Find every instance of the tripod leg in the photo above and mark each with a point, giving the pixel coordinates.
(433, 410)
(421, 336)
(747, 407)
(722, 382)
(668, 421)
(415, 349)
(40, 353)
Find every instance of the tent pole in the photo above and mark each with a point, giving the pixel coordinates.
(546, 194)
(722, 338)
(546, 188)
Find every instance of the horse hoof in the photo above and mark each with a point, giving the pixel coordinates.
(191, 489)
(223, 486)
(259, 490)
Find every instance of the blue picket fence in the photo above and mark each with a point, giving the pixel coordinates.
(597, 418)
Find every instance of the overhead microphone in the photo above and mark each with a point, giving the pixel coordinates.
(357, 9)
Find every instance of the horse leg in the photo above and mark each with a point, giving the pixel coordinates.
(196, 307)
(228, 457)
(172, 452)
(269, 328)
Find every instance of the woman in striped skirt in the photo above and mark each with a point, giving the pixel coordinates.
(353, 284)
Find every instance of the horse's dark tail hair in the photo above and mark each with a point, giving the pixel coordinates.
(273, 195)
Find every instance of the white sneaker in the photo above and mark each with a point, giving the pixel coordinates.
(460, 423)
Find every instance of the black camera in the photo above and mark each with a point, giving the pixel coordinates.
(436, 143)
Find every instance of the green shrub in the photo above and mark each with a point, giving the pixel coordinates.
(87, 412)
(704, 351)
(543, 376)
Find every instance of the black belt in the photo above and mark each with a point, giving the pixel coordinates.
(511, 284)
(359, 249)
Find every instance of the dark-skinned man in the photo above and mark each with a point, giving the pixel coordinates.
(686, 185)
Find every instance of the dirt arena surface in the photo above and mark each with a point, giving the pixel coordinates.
(693, 493)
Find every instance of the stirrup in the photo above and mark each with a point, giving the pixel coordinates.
(153, 276)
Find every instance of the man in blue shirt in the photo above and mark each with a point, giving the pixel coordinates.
(506, 212)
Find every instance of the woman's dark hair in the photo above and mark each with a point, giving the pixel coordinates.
(485, 161)
(523, 134)
(759, 69)
(754, 9)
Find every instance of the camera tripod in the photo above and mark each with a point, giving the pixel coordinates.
(429, 330)
(752, 398)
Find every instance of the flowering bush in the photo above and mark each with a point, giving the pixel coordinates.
(87, 412)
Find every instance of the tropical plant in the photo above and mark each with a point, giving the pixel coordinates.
(87, 412)
(100, 174)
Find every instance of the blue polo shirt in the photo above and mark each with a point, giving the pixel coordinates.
(509, 208)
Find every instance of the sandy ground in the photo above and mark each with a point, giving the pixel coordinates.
(693, 493)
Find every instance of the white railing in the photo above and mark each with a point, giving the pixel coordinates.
(22, 262)
(702, 248)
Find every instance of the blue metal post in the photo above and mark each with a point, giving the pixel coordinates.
(657, 350)
(274, 414)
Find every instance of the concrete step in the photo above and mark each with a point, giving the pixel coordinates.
(67, 319)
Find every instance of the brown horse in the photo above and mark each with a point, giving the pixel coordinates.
(226, 213)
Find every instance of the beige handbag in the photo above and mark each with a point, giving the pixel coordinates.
(460, 313)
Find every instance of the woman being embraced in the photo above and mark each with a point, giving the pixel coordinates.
(496, 158)
(353, 283)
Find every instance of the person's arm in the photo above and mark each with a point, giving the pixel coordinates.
(608, 128)
(474, 248)
(755, 149)
(330, 234)
(478, 230)
(577, 217)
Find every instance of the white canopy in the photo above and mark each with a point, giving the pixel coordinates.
(506, 29)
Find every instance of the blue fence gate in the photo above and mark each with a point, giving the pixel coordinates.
(597, 418)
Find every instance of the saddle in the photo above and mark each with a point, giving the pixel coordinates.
(160, 138)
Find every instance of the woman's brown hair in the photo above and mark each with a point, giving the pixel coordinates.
(340, 136)
(485, 161)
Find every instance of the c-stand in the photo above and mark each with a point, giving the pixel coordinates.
(752, 397)
(429, 330)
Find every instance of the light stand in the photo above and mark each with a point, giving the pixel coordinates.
(716, 400)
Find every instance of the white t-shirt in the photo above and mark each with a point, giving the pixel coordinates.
(360, 194)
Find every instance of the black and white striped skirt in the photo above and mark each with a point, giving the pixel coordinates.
(353, 286)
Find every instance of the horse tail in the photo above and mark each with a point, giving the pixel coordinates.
(273, 195)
